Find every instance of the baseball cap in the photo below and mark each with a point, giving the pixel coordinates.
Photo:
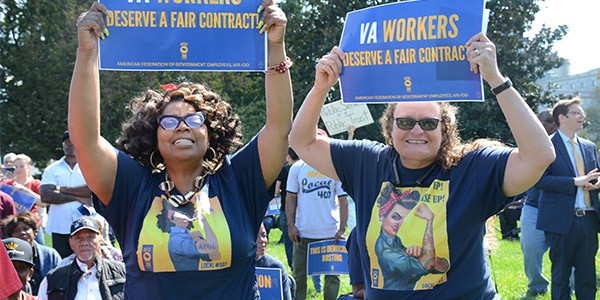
(85, 222)
(19, 250)
(65, 136)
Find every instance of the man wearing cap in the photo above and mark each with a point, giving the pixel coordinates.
(89, 275)
(21, 256)
(64, 188)
(316, 209)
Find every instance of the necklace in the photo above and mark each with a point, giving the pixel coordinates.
(178, 200)
(419, 181)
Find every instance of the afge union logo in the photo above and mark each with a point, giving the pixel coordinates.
(407, 83)
(375, 277)
(147, 257)
(183, 49)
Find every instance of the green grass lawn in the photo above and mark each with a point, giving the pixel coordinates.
(506, 266)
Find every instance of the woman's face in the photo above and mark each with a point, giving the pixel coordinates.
(392, 222)
(417, 148)
(261, 241)
(24, 232)
(21, 168)
(183, 144)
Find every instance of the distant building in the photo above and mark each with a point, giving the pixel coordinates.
(585, 84)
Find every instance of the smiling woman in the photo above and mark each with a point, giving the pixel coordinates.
(185, 204)
(451, 191)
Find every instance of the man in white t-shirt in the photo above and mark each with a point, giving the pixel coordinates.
(64, 188)
(317, 209)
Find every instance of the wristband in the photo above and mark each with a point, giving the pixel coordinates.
(503, 87)
(58, 188)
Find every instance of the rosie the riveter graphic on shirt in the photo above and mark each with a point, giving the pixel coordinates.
(186, 238)
(407, 238)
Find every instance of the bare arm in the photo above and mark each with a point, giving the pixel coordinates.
(96, 157)
(358, 291)
(273, 138)
(343, 200)
(30, 192)
(50, 194)
(314, 149)
(351, 130)
(277, 188)
(534, 151)
(290, 213)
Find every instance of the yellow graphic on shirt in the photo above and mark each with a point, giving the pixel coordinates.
(191, 237)
(407, 238)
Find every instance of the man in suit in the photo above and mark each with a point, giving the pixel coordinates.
(568, 204)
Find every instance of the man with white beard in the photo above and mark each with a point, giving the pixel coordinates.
(89, 276)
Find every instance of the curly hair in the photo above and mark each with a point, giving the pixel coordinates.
(139, 140)
(450, 152)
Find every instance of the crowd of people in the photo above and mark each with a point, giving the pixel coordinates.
(186, 200)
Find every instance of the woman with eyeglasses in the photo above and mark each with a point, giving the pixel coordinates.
(178, 150)
(423, 152)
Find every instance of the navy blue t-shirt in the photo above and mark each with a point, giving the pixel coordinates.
(202, 250)
(420, 207)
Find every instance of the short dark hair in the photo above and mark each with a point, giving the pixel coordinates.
(562, 108)
(292, 154)
(65, 136)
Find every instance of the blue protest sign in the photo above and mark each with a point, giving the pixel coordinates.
(163, 35)
(269, 283)
(22, 200)
(274, 206)
(411, 51)
(325, 257)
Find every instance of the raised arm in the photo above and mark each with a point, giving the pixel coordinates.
(311, 148)
(96, 157)
(273, 138)
(534, 152)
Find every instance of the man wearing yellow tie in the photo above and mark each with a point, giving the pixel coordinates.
(568, 210)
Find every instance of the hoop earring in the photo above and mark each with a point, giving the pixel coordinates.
(212, 168)
(213, 152)
(156, 168)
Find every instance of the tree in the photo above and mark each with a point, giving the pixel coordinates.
(522, 59)
(38, 40)
(315, 26)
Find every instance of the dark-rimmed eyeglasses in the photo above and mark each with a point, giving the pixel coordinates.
(195, 120)
(428, 124)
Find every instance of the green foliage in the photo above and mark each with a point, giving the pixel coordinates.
(506, 263)
(38, 40)
(523, 60)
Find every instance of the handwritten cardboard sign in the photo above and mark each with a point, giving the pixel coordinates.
(338, 116)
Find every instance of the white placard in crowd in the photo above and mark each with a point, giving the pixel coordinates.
(338, 116)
